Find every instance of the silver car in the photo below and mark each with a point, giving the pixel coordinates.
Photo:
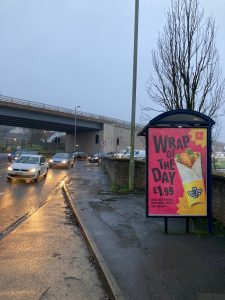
(28, 167)
(62, 160)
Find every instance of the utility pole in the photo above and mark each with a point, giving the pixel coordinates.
(133, 111)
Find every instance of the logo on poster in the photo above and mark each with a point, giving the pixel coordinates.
(199, 135)
(195, 192)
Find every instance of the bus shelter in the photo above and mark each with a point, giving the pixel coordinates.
(178, 166)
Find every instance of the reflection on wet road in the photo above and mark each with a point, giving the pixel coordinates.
(18, 198)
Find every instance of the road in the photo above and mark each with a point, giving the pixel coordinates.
(45, 257)
(18, 199)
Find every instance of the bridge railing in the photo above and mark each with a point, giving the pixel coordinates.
(61, 109)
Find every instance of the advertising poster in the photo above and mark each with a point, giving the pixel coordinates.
(177, 167)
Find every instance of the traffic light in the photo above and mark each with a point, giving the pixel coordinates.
(96, 138)
(117, 141)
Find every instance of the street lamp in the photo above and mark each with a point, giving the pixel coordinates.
(75, 127)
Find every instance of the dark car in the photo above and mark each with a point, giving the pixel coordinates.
(14, 155)
(63, 159)
(80, 156)
(95, 157)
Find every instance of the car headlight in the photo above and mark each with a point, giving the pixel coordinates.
(16, 157)
(33, 170)
(64, 161)
(9, 154)
(10, 168)
(50, 160)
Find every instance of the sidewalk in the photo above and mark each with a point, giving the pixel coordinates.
(136, 258)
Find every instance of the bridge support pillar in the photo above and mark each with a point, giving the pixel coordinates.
(69, 143)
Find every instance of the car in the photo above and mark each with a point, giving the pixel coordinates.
(14, 155)
(28, 167)
(63, 159)
(139, 154)
(109, 154)
(122, 154)
(80, 156)
(95, 157)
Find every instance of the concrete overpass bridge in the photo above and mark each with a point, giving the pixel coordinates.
(29, 114)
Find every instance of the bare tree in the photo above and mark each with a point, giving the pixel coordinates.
(186, 62)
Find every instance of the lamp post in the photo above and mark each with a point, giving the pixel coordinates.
(75, 127)
(133, 111)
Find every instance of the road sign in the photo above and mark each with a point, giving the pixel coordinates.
(103, 143)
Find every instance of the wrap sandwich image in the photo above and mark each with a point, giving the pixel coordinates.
(190, 169)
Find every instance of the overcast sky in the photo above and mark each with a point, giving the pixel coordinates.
(70, 52)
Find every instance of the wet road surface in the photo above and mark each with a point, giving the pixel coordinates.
(18, 198)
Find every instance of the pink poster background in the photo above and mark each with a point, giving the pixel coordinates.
(167, 179)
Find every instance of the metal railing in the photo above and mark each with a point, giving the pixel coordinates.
(61, 109)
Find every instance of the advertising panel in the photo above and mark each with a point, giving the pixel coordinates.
(177, 172)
